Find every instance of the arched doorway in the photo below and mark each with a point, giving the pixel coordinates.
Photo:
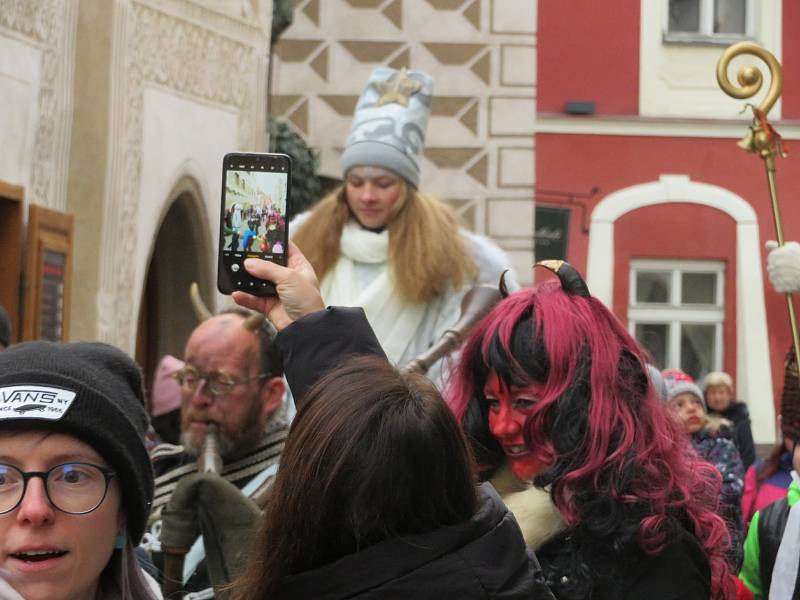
(181, 254)
(754, 377)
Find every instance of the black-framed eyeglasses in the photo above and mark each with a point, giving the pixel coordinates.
(73, 488)
(218, 383)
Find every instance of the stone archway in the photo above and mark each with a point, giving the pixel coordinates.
(754, 376)
(179, 255)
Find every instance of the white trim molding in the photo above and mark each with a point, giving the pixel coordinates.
(633, 126)
(754, 376)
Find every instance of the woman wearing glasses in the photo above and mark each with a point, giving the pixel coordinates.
(75, 480)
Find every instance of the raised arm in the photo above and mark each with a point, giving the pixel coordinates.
(312, 339)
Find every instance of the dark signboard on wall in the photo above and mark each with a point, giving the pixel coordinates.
(550, 233)
(51, 301)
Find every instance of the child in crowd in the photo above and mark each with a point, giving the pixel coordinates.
(767, 480)
(771, 549)
(718, 392)
(709, 437)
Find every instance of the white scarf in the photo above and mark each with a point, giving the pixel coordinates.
(395, 323)
(537, 516)
(784, 572)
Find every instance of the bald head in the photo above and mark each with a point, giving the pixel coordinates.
(222, 334)
(222, 348)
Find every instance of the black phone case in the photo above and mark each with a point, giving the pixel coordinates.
(231, 274)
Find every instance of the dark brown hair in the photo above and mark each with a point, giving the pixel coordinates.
(372, 454)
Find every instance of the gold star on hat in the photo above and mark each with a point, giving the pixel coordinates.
(398, 88)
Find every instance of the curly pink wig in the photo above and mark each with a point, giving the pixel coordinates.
(618, 468)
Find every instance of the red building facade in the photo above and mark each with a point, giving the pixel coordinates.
(673, 240)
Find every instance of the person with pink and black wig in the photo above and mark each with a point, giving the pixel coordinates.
(552, 386)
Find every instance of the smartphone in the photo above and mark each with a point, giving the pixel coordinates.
(253, 219)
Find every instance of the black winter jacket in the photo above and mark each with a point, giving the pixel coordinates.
(738, 414)
(594, 572)
(484, 557)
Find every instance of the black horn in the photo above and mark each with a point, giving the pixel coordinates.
(570, 278)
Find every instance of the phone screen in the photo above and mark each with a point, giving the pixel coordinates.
(254, 216)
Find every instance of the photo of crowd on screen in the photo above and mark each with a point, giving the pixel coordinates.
(255, 212)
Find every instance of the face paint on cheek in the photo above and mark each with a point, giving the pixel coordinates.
(526, 468)
(507, 424)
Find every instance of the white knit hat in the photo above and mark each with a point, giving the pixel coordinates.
(717, 378)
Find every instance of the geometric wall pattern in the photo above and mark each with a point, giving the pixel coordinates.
(482, 57)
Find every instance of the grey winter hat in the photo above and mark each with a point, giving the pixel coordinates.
(389, 123)
(90, 391)
(657, 381)
(685, 387)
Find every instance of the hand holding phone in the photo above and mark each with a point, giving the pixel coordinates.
(253, 219)
(296, 284)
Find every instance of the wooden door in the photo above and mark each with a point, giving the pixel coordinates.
(48, 275)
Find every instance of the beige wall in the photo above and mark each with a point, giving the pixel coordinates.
(678, 80)
(110, 108)
(482, 56)
(37, 41)
(88, 158)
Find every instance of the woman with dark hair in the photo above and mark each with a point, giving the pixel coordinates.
(551, 384)
(375, 498)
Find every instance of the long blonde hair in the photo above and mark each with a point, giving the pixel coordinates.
(427, 256)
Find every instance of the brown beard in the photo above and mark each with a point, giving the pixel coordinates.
(233, 446)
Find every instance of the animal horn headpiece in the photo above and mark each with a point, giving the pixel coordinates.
(200, 309)
(570, 278)
(252, 323)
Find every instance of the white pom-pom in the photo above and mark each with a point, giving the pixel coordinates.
(783, 266)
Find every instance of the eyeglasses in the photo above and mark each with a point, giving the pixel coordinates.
(218, 383)
(72, 488)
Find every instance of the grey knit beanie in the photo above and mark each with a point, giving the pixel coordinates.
(657, 381)
(685, 387)
(389, 123)
(93, 392)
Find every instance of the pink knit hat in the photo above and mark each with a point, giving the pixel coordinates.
(166, 395)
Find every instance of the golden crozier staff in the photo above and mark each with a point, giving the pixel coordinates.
(762, 138)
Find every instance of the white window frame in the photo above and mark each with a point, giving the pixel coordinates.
(706, 33)
(673, 313)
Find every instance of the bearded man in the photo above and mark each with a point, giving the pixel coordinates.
(232, 379)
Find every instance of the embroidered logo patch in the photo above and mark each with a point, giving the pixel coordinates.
(34, 402)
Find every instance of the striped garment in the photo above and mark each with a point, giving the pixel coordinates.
(172, 464)
(238, 472)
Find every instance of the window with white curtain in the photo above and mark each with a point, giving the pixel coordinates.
(676, 312)
(711, 21)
